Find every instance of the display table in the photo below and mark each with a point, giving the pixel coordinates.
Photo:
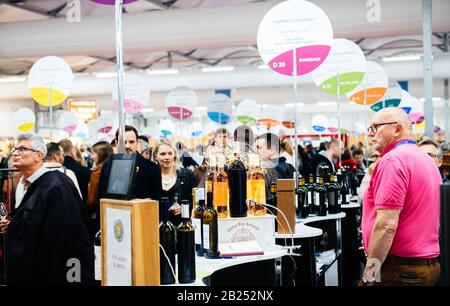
(258, 270)
(308, 239)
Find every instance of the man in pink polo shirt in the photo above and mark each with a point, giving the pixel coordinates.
(400, 224)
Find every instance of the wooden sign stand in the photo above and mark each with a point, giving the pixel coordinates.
(144, 221)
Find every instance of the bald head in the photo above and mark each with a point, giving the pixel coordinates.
(394, 114)
(387, 126)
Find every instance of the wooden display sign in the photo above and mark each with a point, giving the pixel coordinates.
(286, 203)
(130, 242)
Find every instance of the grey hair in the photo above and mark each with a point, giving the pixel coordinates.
(37, 143)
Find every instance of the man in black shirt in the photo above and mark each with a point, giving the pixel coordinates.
(268, 148)
(147, 183)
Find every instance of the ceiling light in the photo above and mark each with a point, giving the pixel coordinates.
(147, 110)
(402, 58)
(264, 105)
(217, 69)
(326, 103)
(106, 74)
(435, 99)
(263, 67)
(292, 104)
(162, 72)
(13, 79)
(200, 108)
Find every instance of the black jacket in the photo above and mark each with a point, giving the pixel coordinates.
(281, 170)
(82, 173)
(183, 187)
(50, 227)
(147, 183)
(320, 160)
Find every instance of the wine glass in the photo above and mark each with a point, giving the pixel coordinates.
(3, 211)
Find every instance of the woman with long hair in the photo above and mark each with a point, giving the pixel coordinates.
(101, 152)
(177, 182)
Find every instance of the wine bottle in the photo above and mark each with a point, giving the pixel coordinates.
(237, 182)
(197, 215)
(302, 199)
(272, 200)
(331, 195)
(311, 195)
(186, 247)
(336, 194)
(210, 231)
(256, 186)
(210, 175)
(220, 189)
(167, 241)
(344, 188)
(98, 257)
(321, 191)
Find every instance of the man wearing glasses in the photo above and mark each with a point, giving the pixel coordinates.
(400, 225)
(430, 147)
(49, 228)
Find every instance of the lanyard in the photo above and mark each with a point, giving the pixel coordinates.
(398, 144)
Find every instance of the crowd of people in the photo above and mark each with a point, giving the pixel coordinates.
(55, 211)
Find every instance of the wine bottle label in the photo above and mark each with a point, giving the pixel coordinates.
(206, 236)
(98, 262)
(310, 197)
(198, 235)
(317, 199)
(185, 211)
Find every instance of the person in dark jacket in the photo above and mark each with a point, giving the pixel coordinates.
(268, 149)
(147, 182)
(177, 182)
(326, 157)
(82, 173)
(48, 238)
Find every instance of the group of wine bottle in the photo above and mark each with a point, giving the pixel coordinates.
(237, 191)
(178, 240)
(322, 197)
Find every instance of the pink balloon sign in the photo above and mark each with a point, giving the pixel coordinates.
(294, 24)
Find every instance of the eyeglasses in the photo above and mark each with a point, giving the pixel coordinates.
(374, 127)
(20, 150)
(432, 155)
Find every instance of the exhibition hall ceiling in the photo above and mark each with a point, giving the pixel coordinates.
(31, 11)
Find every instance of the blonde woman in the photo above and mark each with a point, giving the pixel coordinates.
(177, 182)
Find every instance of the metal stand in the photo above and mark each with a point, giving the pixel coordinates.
(119, 56)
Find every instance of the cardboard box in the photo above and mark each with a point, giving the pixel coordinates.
(286, 203)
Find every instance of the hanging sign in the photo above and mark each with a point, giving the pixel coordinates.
(319, 123)
(373, 86)
(50, 74)
(181, 102)
(294, 24)
(392, 98)
(288, 118)
(247, 112)
(345, 58)
(136, 93)
(24, 119)
(271, 116)
(67, 121)
(82, 130)
(85, 110)
(407, 101)
(220, 108)
(167, 127)
(333, 125)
